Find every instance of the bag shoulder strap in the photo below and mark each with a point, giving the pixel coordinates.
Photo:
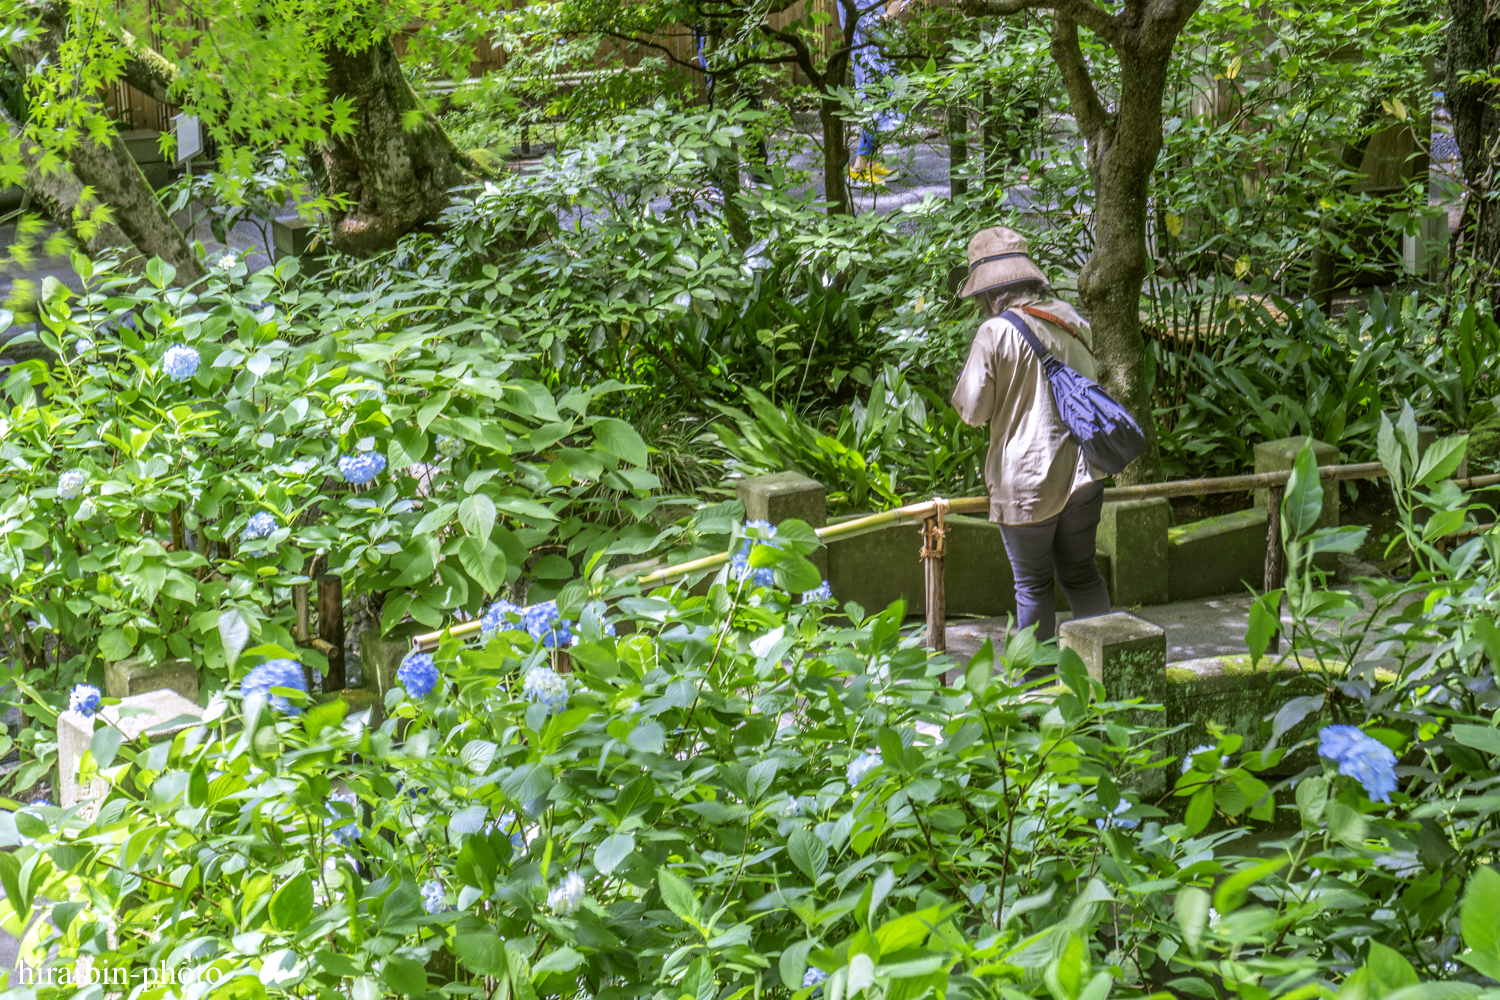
(1043, 314)
(1042, 354)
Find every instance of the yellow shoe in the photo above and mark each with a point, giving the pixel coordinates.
(879, 170)
(865, 176)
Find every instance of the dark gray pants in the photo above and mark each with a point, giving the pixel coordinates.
(1061, 546)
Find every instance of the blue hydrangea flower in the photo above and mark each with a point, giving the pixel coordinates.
(348, 832)
(500, 617)
(180, 362)
(1364, 758)
(822, 592)
(546, 686)
(861, 766)
(361, 468)
(449, 446)
(568, 897)
(739, 563)
(85, 700)
(544, 622)
(260, 525)
(609, 628)
(1115, 819)
(418, 674)
(281, 673)
(432, 896)
(1187, 762)
(71, 483)
(813, 977)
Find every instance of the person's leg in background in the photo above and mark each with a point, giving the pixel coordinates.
(1073, 549)
(1029, 547)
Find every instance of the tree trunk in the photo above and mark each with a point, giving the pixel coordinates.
(395, 179)
(835, 157)
(109, 169)
(60, 195)
(1472, 43)
(1122, 151)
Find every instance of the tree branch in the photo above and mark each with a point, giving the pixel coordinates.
(1088, 111)
(1084, 12)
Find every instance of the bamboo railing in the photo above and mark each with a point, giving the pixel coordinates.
(932, 514)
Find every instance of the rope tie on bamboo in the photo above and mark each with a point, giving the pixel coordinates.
(935, 530)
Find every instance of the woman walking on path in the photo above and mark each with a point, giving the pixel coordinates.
(1044, 495)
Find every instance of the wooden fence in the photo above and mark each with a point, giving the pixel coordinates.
(932, 515)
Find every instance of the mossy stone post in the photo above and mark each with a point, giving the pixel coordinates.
(1128, 655)
(1133, 533)
(1281, 455)
(131, 677)
(380, 656)
(159, 715)
(783, 497)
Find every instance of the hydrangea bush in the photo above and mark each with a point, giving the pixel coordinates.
(731, 793)
(177, 430)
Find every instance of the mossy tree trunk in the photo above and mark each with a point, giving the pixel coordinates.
(1123, 144)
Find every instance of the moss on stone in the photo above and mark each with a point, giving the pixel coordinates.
(1484, 440)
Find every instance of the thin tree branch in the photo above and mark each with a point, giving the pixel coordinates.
(1084, 12)
(1088, 111)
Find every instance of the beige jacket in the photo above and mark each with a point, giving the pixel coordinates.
(1034, 464)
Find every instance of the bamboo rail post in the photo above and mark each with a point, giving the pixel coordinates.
(299, 601)
(1275, 557)
(934, 531)
(331, 629)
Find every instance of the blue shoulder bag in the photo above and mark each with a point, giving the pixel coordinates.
(1107, 433)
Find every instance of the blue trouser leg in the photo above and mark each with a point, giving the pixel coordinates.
(1061, 547)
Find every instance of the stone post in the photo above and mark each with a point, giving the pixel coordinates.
(1128, 655)
(130, 677)
(1281, 455)
(1133, 533)
(75, 733)
(380, 656)
(785, 496)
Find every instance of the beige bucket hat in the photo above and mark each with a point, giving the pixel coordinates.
(997, 256)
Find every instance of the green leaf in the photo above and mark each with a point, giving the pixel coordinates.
(564, 959)
(404, 976)
(1441, 459)
(160, 273)
(234, 633)
(613, 851)
(1346, 825)
(1231, 892)
(1192, 906)
(113, 645)
(621, 440)
(1200, 809)
(1312, 800)
(678, 895)
(808, 853)
(104, 745)
(482, 952)
(1303, 501)
(1480, 911)
(291, 907)
(477, 754)
(477, 514)
(979, 673)
(484, 562)
(793, 962)
(1386, 971)
(1265, 621)
(1389, 451)
(1486, 738)
(795, 574)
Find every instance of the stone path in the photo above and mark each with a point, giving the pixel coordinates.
(1213, 626)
